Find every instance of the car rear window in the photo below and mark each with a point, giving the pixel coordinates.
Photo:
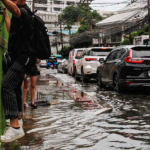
(79, 52)
(99, 52)
(141, 52)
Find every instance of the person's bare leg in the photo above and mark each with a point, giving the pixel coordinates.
(25, 89)
(33, 84)
(14, 123)
(20, 115)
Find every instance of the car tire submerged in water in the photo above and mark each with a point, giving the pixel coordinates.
(76, 75)
(116, 85)
(84, 79)
(99, 81)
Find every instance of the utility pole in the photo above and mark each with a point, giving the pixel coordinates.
(61, 36)
(56, 45)
(33, 2)
(148, 4)
(89, 14)
(60, 22)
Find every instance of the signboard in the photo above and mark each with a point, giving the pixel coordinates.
(95, 41)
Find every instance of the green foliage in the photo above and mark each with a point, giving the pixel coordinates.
(65, 51)
(95, 15)
(71, 14)
(125, 42)
(68, 27)
(83, 28)
(143, 31)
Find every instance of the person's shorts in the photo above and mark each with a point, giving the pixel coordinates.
(33, 72)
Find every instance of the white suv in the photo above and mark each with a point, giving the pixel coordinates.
(88, 63)
(73, 60)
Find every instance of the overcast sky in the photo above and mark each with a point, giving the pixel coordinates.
(108, 6)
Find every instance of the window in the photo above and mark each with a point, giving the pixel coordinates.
(79, 53)
(141, 52)
(57, 9)
(111, 56)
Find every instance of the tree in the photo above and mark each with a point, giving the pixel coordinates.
(69, 27)
(143, 31)
(71, 14)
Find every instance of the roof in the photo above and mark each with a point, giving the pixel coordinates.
(65, 32)
(49, 33)
(131, 12)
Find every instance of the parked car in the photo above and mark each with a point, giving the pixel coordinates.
(125, 67)
(62, 66)
(74, 56)
(86, 67)
(43, 63)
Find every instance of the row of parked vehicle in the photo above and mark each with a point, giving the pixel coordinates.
(121, 68)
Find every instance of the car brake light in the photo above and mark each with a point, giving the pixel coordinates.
(104, 48)
(90, 59)
(74, 62)
(129, 59)
(128, 83)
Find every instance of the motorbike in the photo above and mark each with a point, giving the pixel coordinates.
(49, 65)
(53, 65)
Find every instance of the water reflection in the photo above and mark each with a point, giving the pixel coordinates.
(71, 125)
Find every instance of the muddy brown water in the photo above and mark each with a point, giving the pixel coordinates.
(71, 125)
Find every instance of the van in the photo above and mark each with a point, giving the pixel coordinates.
(74, 56)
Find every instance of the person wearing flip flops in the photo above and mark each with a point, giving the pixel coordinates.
(23, 57)
(31, 77)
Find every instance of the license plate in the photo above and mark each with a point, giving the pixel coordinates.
(149, 73)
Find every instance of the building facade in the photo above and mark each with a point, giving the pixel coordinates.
(49, 10)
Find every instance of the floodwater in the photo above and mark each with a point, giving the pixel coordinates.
(72, 121)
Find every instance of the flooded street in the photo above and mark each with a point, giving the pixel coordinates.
(74, 119)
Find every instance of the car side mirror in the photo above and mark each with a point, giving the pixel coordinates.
(101, 60)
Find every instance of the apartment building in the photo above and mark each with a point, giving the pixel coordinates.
(53, 6)
(49, 10)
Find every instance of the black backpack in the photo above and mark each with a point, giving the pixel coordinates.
(41, 38)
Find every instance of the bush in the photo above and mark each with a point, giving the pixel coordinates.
(125, 42)
(65, 51)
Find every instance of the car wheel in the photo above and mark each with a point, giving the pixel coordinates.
(99, 81)
(116, 85)
(63, 71)
(76, 75)
(84, 79)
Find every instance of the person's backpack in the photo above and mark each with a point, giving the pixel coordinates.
(42, 43)
(41, 38)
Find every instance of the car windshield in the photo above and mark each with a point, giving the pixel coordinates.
(141, 52)
(99, 52)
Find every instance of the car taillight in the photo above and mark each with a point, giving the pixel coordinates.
(128, 83)
(90, 59)
(74, 62)
(104, 48)
(129, 59)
